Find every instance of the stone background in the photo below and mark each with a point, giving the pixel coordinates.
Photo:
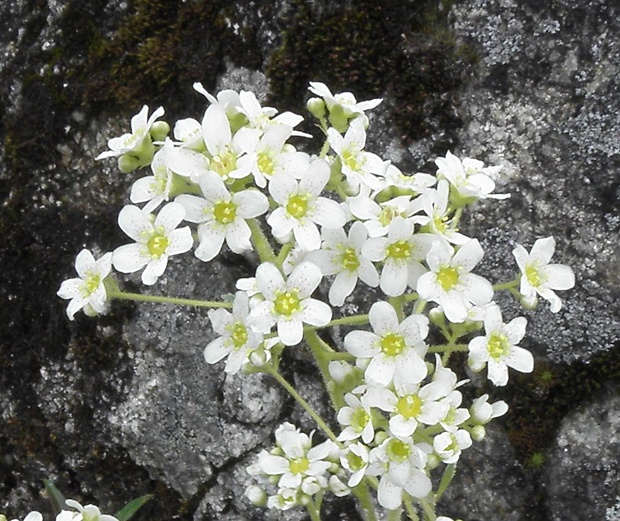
(123, 405)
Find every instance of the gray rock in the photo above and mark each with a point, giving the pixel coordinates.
(582, 476)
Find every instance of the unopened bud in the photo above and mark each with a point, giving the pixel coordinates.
(159, 130)
(316, 107)
(478, 433)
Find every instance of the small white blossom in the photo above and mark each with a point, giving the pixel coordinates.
(222, 215)
(357, 419)
(469, 177)
(89, 512)
(88, 291)
(155, 240)
(538, 277)
(287, 303)
(341, 255)
(498, 349)
(154, 189)
(395, 349)
(449, 445)
(449, 281)
(355, 458)
(482, 412)
(301, 208)
(237, 337)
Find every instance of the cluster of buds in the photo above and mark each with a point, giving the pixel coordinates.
(344, 217)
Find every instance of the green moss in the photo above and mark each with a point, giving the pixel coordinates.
(373, 49)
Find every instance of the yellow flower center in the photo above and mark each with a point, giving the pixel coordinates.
(299, 465)
(224, 163)
(297, 206)
(533, 275)
(392, 344)
(349, 260)
(265, 163)
(409, 406)
(157, 245)
(225, 212)
(91, 283)
(400, 250)
(498, 346)
(239, 334)
(287, 302)
(387, 215)
(447, 277)
(398, 450)
(360, 419)
(355, 461)
(350, 160)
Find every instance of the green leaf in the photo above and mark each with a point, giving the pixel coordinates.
(127, 512)
(55, 496)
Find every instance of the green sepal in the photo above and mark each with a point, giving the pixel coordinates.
(127, 512)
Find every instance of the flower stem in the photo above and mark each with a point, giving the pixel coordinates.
(507, 285)
(446, 479)
(160, 299)
(306, 406)
(353, 320)
(261, 243)
(363, 496)
(413, 515)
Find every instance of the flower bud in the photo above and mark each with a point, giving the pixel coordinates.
(433, 461)
(159, 130)
(316, 107)
(128, 163)
(478, 433)
(529, 303)
(256, 495)
(437, 317)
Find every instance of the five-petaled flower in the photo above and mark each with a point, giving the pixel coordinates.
(155, 240)
(88, 291)
(538, 277)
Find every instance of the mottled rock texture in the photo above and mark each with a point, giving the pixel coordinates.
(123, 405)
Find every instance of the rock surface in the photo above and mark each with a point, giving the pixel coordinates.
(124, 405)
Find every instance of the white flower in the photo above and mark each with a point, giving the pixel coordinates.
(469, 177)
(396, 350)
(287, 302)
(449, 281)
(498, 348)
(89, 512)
(400, 463)
(300, 466)
(401, 252)
(155, 241)
(301, 208)
(155, 188)
(222, 215)
(32, 516)
(133, 142)
(342, 106)
(269, 155)
(435, 204)
(418, 183)
(237, 337)
(538, 277)
(482, 412)
(341, 255)
(189, 132)
(356, 416)
(88, 291)
(358, 166)
(355, 458)
(449, 445)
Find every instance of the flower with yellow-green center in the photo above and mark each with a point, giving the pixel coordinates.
(400, 464)
(538, 277)
(341, 255)
(155, 189)
(287, 303)
(355, 458)
(449, 281)
(221, 216)
(300, 207)
(435, 205)
(295, 462)
(401, 252)
(356, 417)
(237, 338)
(498, 349)
(449, 445)
(156, 240)
(358, 166)
(394, 350)
(87, 291)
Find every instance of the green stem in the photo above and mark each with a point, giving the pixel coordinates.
(419, 307)
(394, 515)
(324, 354)
(313, 511)
(353, 320)
(429, 509)
(448, 348)
(446, 479)
(413, 515)
(264, 249)
(160, 299)
(284, 251)
(507, 285)
(306, 406)
(363, 496)
(397, 304)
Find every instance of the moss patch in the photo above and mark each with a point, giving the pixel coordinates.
(372, 49)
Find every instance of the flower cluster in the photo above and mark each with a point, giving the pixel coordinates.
(240, 178)
(79, 513)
